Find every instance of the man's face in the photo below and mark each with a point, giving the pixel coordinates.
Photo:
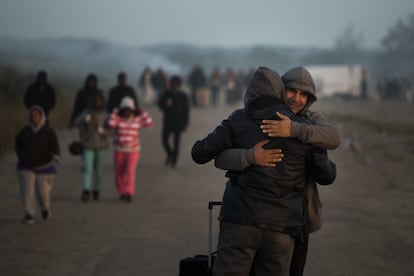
(35, 117)
(296, 99)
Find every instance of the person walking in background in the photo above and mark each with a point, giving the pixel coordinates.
(216, 83)
(121, 90)
(243, 80)
(127, 123)
(84, 96)
(160, 81)
(175, 106)
(232, 88)
(37, 150)
(40, 93)
(94, 138)
(146, 83)
(196, 80)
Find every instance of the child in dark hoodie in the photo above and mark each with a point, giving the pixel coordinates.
(263, 208)
(37, 149)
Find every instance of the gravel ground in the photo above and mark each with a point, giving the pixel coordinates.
(368, 211)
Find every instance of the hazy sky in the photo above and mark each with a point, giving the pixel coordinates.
(209, 22)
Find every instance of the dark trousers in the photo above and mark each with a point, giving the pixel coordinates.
(248, 250)
(297, 264)
(174, 149)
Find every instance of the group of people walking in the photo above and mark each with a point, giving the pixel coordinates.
(205, 89)
(119, 118)
(98, 120)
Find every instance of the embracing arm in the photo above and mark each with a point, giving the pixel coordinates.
(319, 133)
(234, 159)
(209, 147)
(238, 159)
(322, 168)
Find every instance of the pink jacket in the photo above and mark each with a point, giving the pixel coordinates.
(127, 130)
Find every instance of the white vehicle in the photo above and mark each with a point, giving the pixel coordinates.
(338, 80)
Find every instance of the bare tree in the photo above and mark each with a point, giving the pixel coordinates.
(400, 37)
(350, 40)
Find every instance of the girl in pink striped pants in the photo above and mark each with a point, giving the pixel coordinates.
(127, 122)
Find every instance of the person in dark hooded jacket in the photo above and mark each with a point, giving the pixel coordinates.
(37, 150)
(40, 93)
(118, 92)
(196, 79)
(320, 133)
(85, 96)
(176, 112)
(263, 208)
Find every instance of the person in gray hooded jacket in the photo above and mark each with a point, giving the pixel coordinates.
(319, 133)
(95, 140)
(251, 235)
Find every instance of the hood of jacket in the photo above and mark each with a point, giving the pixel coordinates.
(90, 77)
(264, 92)
(42, 120)
(300, 78)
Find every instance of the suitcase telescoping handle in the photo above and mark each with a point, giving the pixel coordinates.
(211, 204)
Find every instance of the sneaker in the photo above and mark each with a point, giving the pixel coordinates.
(85, 195)
(28, 219)
(128, 198)
(46, 214)
(95, 195)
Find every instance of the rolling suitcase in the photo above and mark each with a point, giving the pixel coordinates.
(201, 265)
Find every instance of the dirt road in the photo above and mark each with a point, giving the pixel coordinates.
(369, 211)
